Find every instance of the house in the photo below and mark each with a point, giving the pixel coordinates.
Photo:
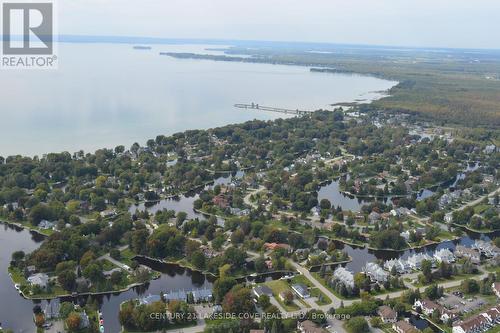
(404, 327)
(275, 246)
(262, 290)
(108, 213)
(401, 265)
(345, 276)
(240, 212)
(308, 326)
(406, 235)
(30, 270)
(415, 261)
(490, 149)
(301, 290)
(221, 200)
(466, 252)
(387, 314)
(374, 217)
(448, 217)
(44, 224)
(427, 306)
(375, 272)
(493, 315)
(496, 288)
(108, 274)
(475, 324)
(486, 248)
(39, 279)
(52, 309)
(444, 255)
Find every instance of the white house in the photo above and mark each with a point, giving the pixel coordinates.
(39, 279)
(375, 272)
(444, 255)
(401, 265)
(345, 276)
(415, 261)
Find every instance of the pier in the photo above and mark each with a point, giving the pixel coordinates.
(255, 106)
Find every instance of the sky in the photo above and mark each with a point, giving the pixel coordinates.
(420, 23)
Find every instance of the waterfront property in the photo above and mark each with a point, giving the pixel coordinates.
(344, 276)
(39, 279)
(444, 255)
(403, 326)
(467, 252)
(376, 273)
(400, 265)
(415, 261)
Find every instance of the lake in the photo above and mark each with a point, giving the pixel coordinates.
(103, 95)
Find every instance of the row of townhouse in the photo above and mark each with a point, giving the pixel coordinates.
(480, 322)
(414, 262)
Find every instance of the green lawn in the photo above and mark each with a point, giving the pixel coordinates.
(107, 265)
(17, 276)
(126, 256)
(278, 286)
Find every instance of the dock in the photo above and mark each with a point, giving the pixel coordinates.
(255, 106)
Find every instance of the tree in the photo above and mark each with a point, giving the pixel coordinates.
(325, 204)
(93, 272)
(73, 321)
(238, 300)
(376, 322)
(18, 256)
(357, 325)
(198, 260)
(116, 277)
(222, 286)
(65, 309)
(67, 279)
(427, 270)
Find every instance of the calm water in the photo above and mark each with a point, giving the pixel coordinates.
(104, 95)
(15, 312)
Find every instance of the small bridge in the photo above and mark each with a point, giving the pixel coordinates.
(255, 106)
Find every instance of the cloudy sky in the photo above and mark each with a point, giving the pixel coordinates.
(435, 23)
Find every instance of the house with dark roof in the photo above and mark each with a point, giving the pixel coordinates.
(308, 326)
(404, 327)
(262, 290)
(301, 290)
(387, 314)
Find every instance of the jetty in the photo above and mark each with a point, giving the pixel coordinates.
(255, 106)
